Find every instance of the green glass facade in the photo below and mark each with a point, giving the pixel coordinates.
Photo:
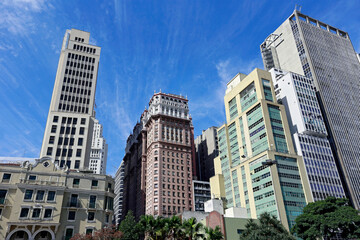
(233, 109)
(277, 129)
(248, 97)
(257, 130)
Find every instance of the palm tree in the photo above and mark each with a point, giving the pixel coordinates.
(213, 234)
(268, 228)
(192, 229)
(173, 228)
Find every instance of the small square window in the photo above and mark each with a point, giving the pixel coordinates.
(56, 119)
(83, 121)
(28, 194)
(94, 183)
(89, 231)
(76, 181)
(32, 177)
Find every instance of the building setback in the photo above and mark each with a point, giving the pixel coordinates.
(261, 171)
(206, 147)
(68, 132)
(99, 148)
(297, 94)
(325, 54)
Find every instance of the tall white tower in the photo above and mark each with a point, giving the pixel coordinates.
(69, 127)
(99, 147)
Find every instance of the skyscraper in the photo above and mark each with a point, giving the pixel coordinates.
(206, 147)
(119, 193)
(260, 169)
(325, 54)
(99, 147)
(307, 127)
(170, 160)
(69, 126)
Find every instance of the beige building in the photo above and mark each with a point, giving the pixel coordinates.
(45, 201)
(257, 167)
(70, 122)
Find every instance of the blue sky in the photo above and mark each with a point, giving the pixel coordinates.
(183, 47)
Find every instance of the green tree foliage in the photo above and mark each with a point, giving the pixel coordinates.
(108, 233)
(327, 218)
(130, 229)
(267, 228)
(213, 234)
(192, 229)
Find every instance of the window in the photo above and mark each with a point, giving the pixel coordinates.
(40, 195)
(83, 120)
(74, 200)
(71, 215)
(36, 213)
(6, 177)
(77, 164)
(91, 216)
(32, 177)
(89, 231)
(51, 196)
(53, 128)
(56, 119)
(78, 152)
(28, 194)
(92, 201)
(69, 233)
(82, 129)
(76, 182)
(48, 213)
(51, 139)
(63, 120)
(62, 130)
(94, 183)
(80, 141)
(24, 212)
(2, 196)
(49, 150)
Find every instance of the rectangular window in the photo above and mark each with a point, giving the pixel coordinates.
(83, 121)
(49, 151)
(77, 164)
(51, 196)
(6, 177)
(74, 200)
(62, 130)
(51, 139)
(56, 119)
(40, 195)
(32, 177)
(94, 183)
(91, 216)
(63, 120)
(92, 201)
(76, 182)
(53, 128)
(69, 233)
(89, 231)
(48, 213)
(82, 130)
(28, 194)
(80, 141)
(71, 215)
(78, 152)
(36, 213)
(24, 212)
(58, 152)
(2, 196)
(71, 142)
(74, 120)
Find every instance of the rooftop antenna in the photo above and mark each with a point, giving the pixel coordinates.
(298, 7)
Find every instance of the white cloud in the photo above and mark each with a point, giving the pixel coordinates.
(16, 16)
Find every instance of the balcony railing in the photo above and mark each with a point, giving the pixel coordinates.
(42, 182)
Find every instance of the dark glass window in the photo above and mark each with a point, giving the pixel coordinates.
(77, 164)
(51, 196)
(6, 177)
(71, 215)
(63, 120)
(28, 194)
(80, 141)
(48, 213)
(83, 120)
(91, 216)
(82, 131)
(36, 213)
(94, 183)
(56, 119)
(53, 128)
(78, 152)
(32, 177)
(40, 195)
(24, 212)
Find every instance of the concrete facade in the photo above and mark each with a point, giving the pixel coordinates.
(69, 126)
(45, 201)
(325, 54)
(201, 194)
(206, 150)
(99, 148)
(260, 168)
(307, 126)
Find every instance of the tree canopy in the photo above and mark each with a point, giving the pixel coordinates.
(269, 227)
(328, 218)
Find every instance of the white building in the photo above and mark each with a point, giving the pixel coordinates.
(69, 126)
(119, 192)
(99, 147)
(308, 130)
